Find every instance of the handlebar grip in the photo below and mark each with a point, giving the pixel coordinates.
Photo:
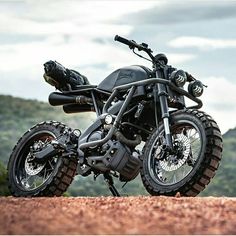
(124, 41)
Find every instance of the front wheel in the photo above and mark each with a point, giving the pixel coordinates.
(197, 145)
(28, 178)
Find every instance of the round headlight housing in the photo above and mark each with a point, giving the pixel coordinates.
(178, 77)
(195, 88)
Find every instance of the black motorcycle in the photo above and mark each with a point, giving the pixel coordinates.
(143, 126)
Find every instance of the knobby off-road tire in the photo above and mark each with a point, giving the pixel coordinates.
(58, 175)
(203, 170)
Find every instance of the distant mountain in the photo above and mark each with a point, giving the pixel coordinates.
(18, 115)
(231, 133)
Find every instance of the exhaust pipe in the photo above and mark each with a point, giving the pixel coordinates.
(57, 99)
(75, 108)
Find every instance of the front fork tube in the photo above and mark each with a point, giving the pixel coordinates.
(161, 90)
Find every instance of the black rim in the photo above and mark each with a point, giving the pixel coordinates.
(172, 169)
(30, 175)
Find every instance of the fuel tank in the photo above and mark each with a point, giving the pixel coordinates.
(125, 75)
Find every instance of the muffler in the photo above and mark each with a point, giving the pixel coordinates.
(75, 108)
(57, 99)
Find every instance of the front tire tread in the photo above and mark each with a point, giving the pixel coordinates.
(207, 168)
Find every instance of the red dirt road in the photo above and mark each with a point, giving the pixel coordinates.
(125, 215)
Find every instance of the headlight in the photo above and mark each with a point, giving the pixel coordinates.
(195, 88)
(178, 77)
(108, 119)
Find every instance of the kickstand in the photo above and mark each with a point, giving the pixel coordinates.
(108, 179)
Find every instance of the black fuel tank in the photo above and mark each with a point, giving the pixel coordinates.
(124, 75)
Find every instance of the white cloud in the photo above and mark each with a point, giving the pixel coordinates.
(70, 28)
(67, 17)
(219, 101)
(84, 11)
(79, 51)
(67, 31)
(178, 58)
(202, 43)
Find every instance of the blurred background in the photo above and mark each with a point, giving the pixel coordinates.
(197, 36)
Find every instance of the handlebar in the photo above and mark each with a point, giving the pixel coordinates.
(132, 45)
(125, 41)
(144, 47)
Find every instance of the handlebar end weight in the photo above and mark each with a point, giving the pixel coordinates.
(116, 37)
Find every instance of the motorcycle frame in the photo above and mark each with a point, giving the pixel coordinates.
(131, 88)
(74, 97)
(161, 83)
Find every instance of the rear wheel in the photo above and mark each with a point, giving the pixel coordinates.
(26, 177)
(197, 145)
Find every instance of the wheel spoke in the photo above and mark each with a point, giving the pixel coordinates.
(35, 184)
(27, 177)
(44, 175)
(194, 140)
(174, 178)
(50, 164)
(32, 175)
(176, 167)
(185, 167)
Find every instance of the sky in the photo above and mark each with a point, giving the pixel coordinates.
(196, 36)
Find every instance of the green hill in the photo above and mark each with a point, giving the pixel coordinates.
(18, 115)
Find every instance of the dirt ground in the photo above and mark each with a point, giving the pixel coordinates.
(125, 215)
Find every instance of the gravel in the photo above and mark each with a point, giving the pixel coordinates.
(113, 215)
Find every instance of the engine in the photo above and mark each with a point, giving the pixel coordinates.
(96, 135)
(114, 155)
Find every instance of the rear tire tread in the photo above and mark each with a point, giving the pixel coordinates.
(62, 177)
